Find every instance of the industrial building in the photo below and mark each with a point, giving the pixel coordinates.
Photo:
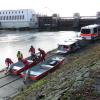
(23, 18)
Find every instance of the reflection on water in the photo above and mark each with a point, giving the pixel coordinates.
(12, 41)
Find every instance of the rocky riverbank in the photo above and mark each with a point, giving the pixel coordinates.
(77, 79)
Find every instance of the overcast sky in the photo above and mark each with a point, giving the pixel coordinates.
(62, 7)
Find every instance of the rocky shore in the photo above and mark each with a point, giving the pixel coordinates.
(77, 79)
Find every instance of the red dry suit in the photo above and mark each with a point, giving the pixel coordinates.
(8, 62)
(42, 54)
(32, 50)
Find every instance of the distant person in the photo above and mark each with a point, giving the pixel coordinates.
(32, 51)
(42, 54)
(8, 63)
(19, 56)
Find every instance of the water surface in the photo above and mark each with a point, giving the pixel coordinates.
(12, 41)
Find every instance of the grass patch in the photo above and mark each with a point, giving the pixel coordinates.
(28, 89)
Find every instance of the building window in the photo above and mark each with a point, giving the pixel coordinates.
(0, 12)
(6, 12)
(16, 12)
(7, 18)
(30, 19)
(33, 14)
(22, 12)
(9, 12)
(3, 12)
(17, 17)
(23, 17)
(1, 17)
(12, 17)
(12, 12)
(20, 17)
(19, 12)
(4, 17)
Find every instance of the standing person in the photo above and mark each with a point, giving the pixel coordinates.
(32, 51)
(19, 56)
(42, 54)
(8, 62)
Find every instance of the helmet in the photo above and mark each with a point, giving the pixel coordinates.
(39, 49)
(18, 52)
(31, 46)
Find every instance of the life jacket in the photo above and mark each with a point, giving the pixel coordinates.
(19, 55)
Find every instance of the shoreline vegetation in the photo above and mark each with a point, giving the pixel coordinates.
(77, 79)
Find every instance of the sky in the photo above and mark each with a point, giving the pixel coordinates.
(64, 8)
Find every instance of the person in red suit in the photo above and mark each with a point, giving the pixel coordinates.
(32, 51)
(8, 62)
(42, 54)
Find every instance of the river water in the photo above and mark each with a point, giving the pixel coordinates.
(12, 41)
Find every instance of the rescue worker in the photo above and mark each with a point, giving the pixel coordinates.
(32, 51)
(19, 56)
(8, 62)
(42, 54)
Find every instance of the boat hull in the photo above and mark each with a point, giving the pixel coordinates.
(42, 70)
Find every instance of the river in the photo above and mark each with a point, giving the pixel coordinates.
(12, 41)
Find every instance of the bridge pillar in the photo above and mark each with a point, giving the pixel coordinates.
(55, 18)
(76, 20)
(98, 18)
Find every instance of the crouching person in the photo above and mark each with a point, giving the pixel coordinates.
(42, 54)
(8, 63)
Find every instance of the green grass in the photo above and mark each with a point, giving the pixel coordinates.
(28, 89)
